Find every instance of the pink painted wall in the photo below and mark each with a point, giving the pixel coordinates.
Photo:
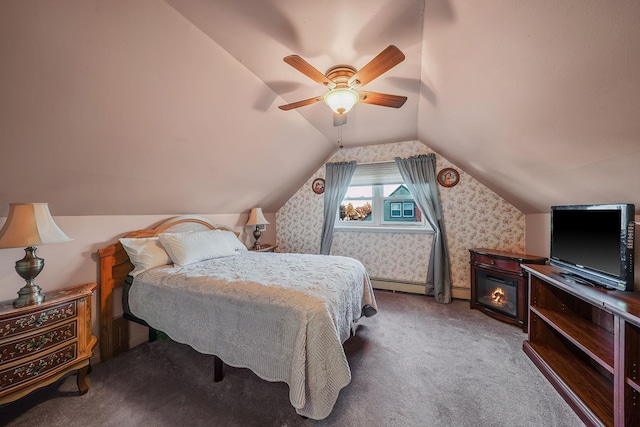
(125, 108)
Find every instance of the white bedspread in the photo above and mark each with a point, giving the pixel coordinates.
(284, 316)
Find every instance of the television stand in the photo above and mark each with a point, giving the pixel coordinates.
(586, 342)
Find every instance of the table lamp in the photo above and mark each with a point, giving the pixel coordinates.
(257, 218)
(30, 225)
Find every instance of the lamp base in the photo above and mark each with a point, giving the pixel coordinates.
(256, 234)
(29, 294)
(28, 268)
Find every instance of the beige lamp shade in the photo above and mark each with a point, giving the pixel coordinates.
(256, 217)
(30, 224)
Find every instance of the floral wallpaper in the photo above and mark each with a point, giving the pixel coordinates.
(474, 217)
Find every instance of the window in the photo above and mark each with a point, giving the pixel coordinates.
(396, 210)
(378, 200)
(408, 210)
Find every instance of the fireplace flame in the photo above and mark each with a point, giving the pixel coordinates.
(498, 297)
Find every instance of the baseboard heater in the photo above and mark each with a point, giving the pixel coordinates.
(414, 287)
(397, 285)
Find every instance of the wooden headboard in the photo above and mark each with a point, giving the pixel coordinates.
(115, 266)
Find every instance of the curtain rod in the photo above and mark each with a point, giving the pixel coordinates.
(375, 163)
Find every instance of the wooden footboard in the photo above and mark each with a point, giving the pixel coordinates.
(115, 266)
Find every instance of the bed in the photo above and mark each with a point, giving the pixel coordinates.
(284, 316)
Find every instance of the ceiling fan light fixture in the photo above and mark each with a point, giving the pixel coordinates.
(341, 100)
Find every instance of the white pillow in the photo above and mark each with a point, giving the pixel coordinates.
(233, 240)
(193, 246)
(145, 253)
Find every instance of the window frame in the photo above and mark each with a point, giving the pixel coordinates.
(377, 223)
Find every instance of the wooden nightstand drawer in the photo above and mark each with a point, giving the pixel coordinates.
(36, 320)
(33, 343)
(13, 377)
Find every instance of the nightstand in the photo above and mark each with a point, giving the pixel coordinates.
(39, 344)
(264, 248)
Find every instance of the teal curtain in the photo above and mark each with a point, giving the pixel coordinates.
(419, 175)
(337, 179)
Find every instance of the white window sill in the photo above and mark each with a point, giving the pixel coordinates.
(383, 229)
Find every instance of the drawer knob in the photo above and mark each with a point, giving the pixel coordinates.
(492, 262)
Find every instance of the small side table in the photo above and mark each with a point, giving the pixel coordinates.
(264, 248)
(41, 343)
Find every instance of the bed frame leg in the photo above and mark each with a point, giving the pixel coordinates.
(217, 369)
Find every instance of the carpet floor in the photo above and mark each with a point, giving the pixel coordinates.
(416, 363)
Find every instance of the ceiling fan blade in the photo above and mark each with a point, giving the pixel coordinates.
(308, 70)
(386, 60)
(382, 99)
(298, 104)
(339, 119)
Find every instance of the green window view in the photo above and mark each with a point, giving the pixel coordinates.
(379, 205)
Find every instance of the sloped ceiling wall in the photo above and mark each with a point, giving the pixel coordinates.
(538, 100)
(260, 33)
(120, 107)
(161, 107)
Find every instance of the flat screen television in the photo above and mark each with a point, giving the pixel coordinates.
(594, 243)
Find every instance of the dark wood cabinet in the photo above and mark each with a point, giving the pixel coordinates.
(586, 342)
(501, 269)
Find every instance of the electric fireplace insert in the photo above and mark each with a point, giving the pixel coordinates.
(497, 293)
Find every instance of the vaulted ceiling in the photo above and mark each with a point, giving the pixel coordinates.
(170, 106)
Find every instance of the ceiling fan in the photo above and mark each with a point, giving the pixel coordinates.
(343, 80)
